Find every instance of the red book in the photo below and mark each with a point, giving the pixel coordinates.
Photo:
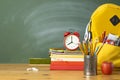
(70, 63)
(52, 67)
(67, 65)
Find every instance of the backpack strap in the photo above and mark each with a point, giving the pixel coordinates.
(88, 33)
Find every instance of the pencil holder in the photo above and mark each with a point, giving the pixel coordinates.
(90, 65)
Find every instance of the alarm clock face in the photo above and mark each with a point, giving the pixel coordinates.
(71, 42)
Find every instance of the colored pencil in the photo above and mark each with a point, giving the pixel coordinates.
(81, 48)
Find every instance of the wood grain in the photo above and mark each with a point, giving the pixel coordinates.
(19, 72)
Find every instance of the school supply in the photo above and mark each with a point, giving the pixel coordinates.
(66, 60)
(104, 26)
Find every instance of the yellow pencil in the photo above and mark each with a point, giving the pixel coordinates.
(91, 48)
(81, 48)
(85, 47)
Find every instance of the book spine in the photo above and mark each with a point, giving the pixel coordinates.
(67, 59)
(66, 67)
(67, 63)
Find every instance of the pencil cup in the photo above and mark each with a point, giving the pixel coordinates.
(90, 65)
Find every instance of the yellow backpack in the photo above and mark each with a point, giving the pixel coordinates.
(105, 18)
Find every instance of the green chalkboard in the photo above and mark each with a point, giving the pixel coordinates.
(28, 28)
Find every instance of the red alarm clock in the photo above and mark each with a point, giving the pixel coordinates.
(71, 40)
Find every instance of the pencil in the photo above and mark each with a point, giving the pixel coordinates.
(99, 49)
(103, 35)
(96, 41)
(81, 48)
(96, 49)
(85, 47)
(91, 48)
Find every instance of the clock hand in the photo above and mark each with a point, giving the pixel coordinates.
(69, 43)
(71, 39)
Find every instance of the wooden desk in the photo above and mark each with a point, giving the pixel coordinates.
(19, 72)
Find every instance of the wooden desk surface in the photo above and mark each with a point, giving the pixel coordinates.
(19, 72)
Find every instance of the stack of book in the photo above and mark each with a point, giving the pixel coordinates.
(66, 60)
